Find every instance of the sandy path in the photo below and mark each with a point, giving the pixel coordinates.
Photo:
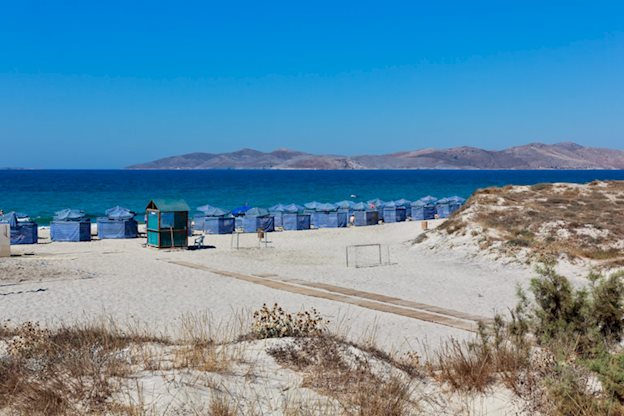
(442, 316)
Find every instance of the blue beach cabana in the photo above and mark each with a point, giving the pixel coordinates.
(328, 216)
(393, 212)
(258, 219)
(70, 225)
(277, 212)
(443, 208)
(377, 205)
(213, 220)
(455, 203)
(23, 230)
(239, 213)
(310, 209)
(423, 209)
(294, 218)
(119, 222)
(364, 215)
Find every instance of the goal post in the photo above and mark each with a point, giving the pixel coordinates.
(363, 255)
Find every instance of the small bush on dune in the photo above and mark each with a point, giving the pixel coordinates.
(278, 323)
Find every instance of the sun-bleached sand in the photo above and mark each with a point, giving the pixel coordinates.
(67, 282)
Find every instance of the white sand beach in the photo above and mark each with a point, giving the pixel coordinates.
(67, 282)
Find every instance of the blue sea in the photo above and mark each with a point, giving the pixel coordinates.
(40, 193)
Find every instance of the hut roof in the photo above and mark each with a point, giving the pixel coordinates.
(168, 205)
(119, 213)
(257, 212)
(69, 215)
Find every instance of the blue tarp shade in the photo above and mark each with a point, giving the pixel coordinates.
(393, 213)
(363, 217)
(213, 221)
(69, 215)
(120, 213)
(217, 225)
(210, 211)
(429, 199)
(118, 223)
(277, 211)
(327, 219)
(403, 203)
(70, 225)
(345, 205)
(293, 208)
(294, 221)
(111, 228)
(422, 210)
(455, 203)
(251, 223)
(312, 205)
(23, 231)
(70, 230)
(443, 208)
(377, 204)
(361, 206)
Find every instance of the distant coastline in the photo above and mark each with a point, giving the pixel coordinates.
(534, 156)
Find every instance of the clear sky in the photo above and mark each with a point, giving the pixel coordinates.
(106, 84)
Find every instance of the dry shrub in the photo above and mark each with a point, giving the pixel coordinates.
(475, 366)
(278, 323)
(209, 358)
(69, 371)
(330, 369)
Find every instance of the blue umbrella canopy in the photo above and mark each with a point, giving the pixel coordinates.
(403, 202)
(293, 208)
(457, 199)
(277, 208)
(345, 204)
(361, 206)
(375, 203)
(312, 205)
(119, 213)
(241, 210)
(257, 212)
(69, 215)
(326, 207)
(11, 218)
(205, 208)
(428, 199)
(214, 212)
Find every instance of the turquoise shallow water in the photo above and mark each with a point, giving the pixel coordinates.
(40, 193)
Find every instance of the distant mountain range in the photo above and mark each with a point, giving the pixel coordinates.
(531, 156)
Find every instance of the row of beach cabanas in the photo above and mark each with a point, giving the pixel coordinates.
(213, 220)
(168, 222)
(73, 225)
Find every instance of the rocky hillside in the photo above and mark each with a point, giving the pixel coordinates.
(531, 156)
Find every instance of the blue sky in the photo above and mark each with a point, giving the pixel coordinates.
(107, 84)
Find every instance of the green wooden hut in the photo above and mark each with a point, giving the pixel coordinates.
(167, 223)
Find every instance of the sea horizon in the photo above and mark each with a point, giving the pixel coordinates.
(41, 192)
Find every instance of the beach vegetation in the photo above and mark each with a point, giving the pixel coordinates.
(275, 322)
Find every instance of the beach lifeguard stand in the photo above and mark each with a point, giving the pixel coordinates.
(167, 223)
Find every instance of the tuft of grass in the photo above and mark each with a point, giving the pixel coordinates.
(329, 369)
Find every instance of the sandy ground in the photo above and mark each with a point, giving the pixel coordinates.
(66, 282)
